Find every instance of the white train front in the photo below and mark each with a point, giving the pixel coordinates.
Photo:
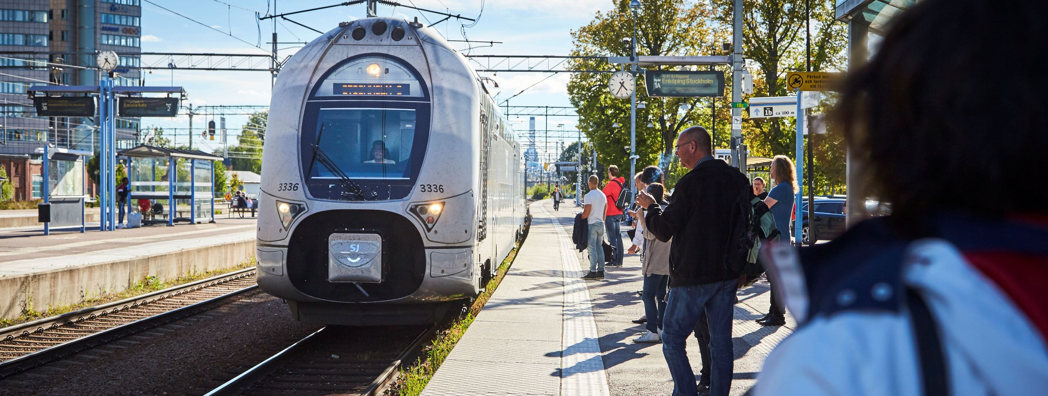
(391, 186)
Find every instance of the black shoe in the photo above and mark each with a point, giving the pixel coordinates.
(592, 275)
(641, 320)
(703, 389)
(600, 274)
(763, 318)
(774, 321)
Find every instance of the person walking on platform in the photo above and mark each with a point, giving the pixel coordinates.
(655, 267)
(943, 296)
(594, 213)
(556, 199)
(699, 222)
(612, 189)
(121, 198)
(780, 201)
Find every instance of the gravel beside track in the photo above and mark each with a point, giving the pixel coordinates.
(47, 336)
(190, 356)
(335, 361)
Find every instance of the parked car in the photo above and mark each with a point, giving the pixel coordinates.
(829, 219)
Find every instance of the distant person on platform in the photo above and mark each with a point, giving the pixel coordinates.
(758, 188)
(379, 154)
(557, 196)
(699, 222)
(121, 198)
(944, 296)
(594, 212)
(611, 191)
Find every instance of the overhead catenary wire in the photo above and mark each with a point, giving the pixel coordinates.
(203, 24)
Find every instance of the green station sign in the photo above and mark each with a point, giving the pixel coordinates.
(684, 84)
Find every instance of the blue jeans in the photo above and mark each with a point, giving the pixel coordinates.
(654, 296)
(611, 225)
(596, 248)
(683, 310)
(120, 207)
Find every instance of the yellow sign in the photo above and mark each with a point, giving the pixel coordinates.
(800, 81)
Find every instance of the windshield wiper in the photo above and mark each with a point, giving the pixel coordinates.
(318, 154)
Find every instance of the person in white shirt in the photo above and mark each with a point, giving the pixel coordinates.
(596, 206)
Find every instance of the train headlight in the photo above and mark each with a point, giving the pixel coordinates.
(428, 213)
(374, 70)
(287, 212)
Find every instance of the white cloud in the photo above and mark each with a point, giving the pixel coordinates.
(149, 38)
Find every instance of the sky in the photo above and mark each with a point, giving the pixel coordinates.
(525, 27)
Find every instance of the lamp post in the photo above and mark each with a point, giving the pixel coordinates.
(634, 7)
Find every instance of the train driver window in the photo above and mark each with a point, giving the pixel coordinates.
(366, 143)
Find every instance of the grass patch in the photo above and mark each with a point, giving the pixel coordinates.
(413, 379)
(144, 286)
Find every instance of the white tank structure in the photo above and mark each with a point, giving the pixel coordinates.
(391, 185)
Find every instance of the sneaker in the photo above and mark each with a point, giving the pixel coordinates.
(593, 275)
(648, 338)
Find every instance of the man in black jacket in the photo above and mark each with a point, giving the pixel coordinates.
(699, 221)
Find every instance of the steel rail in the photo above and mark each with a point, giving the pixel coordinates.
(55, 352)
(261, 371)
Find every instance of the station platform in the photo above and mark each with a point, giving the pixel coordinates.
(28, 218)
(67, 267)
(547, 332)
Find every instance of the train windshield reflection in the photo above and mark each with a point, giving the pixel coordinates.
(366, 143)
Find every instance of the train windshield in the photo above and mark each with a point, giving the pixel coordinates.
(366, 143)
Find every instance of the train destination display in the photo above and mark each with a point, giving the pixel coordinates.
(64, 107)
(148, 107)
(372, 89)
(684, 83)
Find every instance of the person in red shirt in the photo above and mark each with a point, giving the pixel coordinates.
(611, 223)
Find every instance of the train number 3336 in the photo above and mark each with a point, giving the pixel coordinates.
(287, 186)
(437, 188)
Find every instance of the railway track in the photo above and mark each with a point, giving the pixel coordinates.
(32, 344)
(334, 361)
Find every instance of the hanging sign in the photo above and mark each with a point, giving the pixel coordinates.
(771, 107)
(684, 84)
(147, 107)
(814, 81)
(64, 107)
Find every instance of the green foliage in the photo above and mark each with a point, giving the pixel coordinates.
(538, 191)
(664, 27)
(7, 190)
(14, 205)
(156, 137)
(247, 154)
(235, 183)
(221, 180)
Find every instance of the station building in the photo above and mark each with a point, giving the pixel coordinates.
(35, 33)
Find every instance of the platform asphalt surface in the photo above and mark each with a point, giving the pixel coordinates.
(505, 353)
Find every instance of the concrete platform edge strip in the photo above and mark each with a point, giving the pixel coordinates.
(582, 365)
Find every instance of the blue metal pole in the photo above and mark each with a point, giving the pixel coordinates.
(44, 186)
(103, 127)
(171, 171)
(799, 162)
(127, 210)
(112, 158)
(192, 191)
(212, 196)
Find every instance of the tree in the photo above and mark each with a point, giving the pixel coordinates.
(7, 190)
(247, 154)
(221, 182)
(156, 137)
(235, 183)
(664, 27)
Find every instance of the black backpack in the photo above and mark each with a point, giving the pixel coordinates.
(752, 224)
(623, 200)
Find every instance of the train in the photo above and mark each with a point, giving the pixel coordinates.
(392, 187)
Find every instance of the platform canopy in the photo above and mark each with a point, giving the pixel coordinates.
(875, 13)
(145, 151)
